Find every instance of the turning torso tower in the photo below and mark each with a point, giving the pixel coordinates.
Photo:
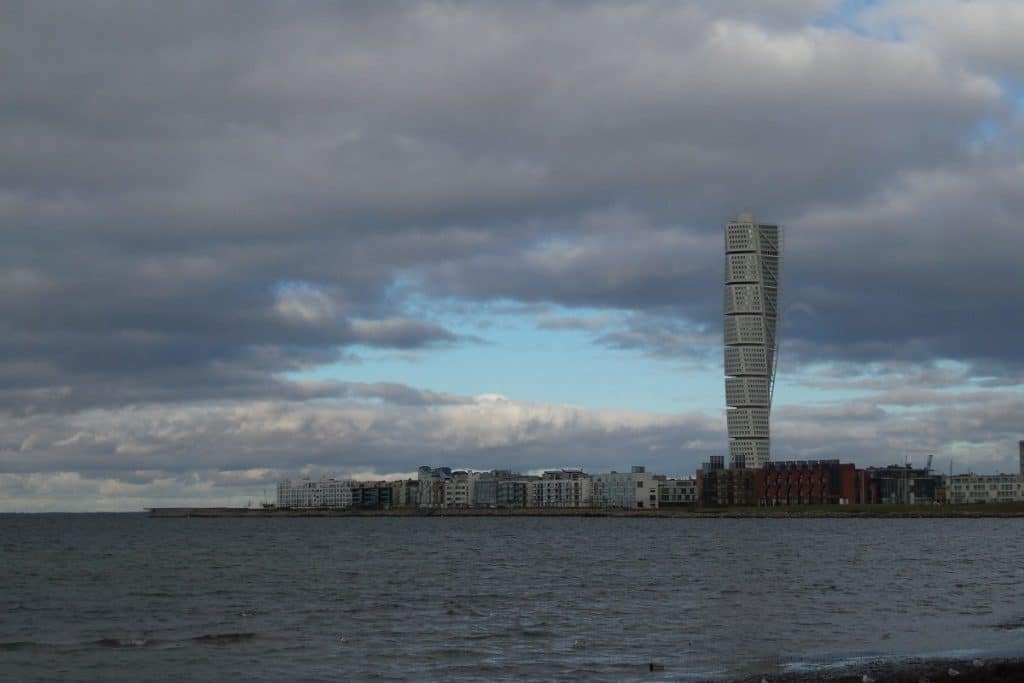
(751, 347)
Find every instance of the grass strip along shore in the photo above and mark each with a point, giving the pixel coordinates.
(789, 512)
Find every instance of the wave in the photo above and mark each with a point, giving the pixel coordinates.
(122, 642)
(128, 643)
(1015, 625)
(223, 638)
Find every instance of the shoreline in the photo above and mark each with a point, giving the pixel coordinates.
(845, 512)
(996, 670)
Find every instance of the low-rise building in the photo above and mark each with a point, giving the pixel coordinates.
(459, 490)
(677, 492)
(500, 489)
(320, 493)
(511, 494)
(637, 489)
(405, 493)
(899, 485)
(807, 482)
(371, 495)
(561, 489)
(430, 485)
(717, 487)
(963, 489)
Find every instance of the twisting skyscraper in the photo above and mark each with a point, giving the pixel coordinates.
(751, 314)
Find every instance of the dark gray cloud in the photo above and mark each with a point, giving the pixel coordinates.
(568, 322)
(170, 167)
(658, 333)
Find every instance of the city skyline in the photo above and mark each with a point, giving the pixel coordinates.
(248, 241)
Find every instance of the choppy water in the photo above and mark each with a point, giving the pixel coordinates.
(124, 597)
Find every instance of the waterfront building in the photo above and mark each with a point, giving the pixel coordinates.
(371, 495)
(487, 487)
(500, 489)
(561, 489)
(320, 493)
(459, 490)
(963, 489)
(677, 492)
(751, 346)
(900, 485)
(405, 493)
(430, 484)
(718, 487)
(637, 489)
(511, 494)
(807, 482)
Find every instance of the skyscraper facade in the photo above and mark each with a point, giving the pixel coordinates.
(751, 345)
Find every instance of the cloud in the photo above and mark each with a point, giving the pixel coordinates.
(982, 34)
(576, 153)
(230, 451)
(200, 202)
(399, 333)
(575, 323)
(400, 394)
(659, 334)
(976, 431)
(396, 433)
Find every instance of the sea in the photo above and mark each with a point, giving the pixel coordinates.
(122, 597)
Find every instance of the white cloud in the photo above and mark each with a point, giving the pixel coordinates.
(982, 34)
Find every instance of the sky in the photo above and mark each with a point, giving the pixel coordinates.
(245, 241)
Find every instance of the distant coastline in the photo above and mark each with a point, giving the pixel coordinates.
(794, 512)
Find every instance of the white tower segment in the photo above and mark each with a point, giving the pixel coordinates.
(751, 348)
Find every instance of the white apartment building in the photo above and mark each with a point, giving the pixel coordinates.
(637, 489)
(431, 485)
(984, 488)
(460, 490)
(561, 489)
(321, 493)
(677, 492)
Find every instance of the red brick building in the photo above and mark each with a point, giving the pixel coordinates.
(807, 482)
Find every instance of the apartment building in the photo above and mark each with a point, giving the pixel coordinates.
(637, 489)
(561, 489)
(459, 490)
(677, 492)
(320, 493)
(984, 488)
